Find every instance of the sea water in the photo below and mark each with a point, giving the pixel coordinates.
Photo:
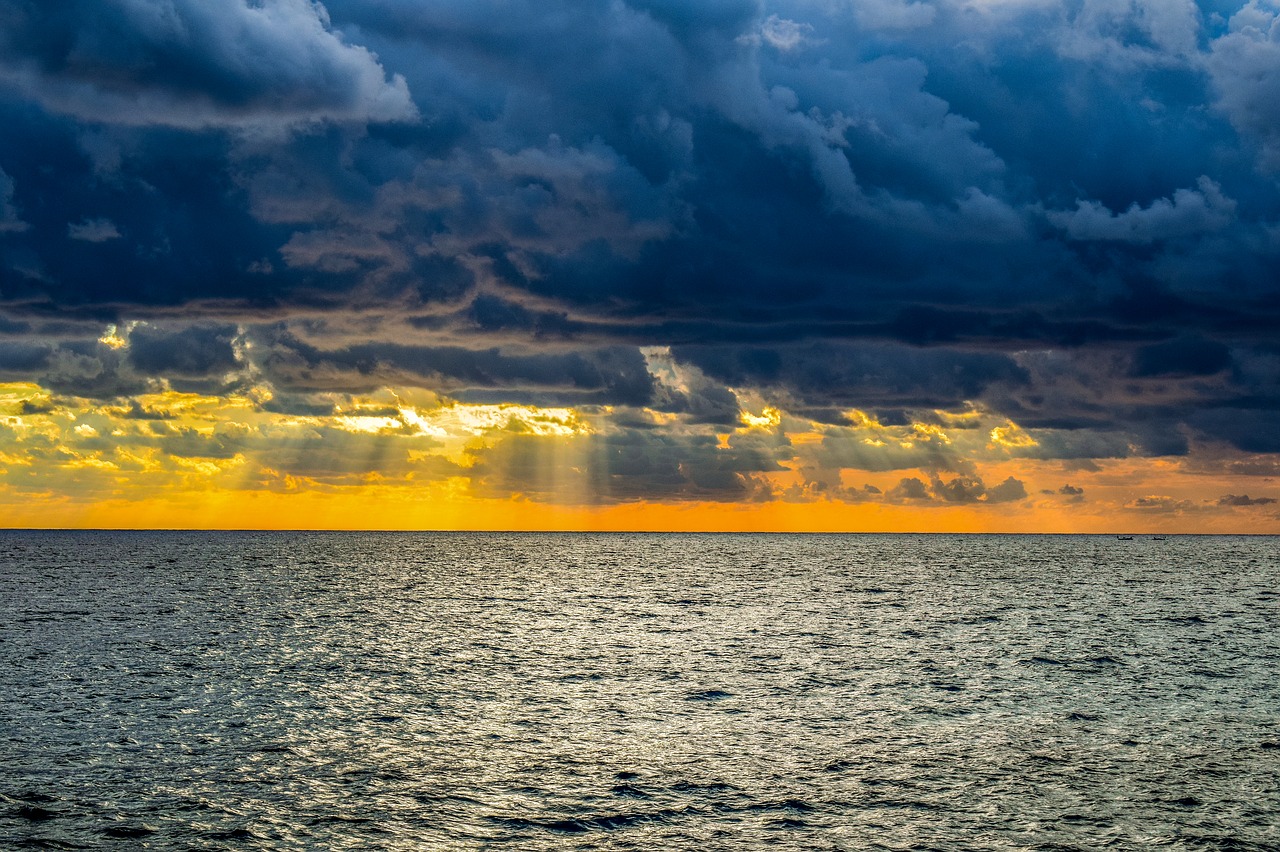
(658, 692)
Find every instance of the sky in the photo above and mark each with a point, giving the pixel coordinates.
(863, 265)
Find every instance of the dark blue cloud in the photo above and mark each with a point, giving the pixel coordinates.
(850, 376)
(613, 375)
(886, 204)
(193, 64)
(1182, 357)
(192, 351)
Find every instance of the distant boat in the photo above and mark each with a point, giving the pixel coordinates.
(1124, 538)
(1157, 538)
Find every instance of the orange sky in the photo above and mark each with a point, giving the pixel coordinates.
(378, 508)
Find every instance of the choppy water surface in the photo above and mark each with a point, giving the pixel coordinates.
(407, 691)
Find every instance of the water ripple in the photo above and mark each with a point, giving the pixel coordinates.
(547, 692)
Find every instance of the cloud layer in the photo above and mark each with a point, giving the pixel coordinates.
(1064, 217)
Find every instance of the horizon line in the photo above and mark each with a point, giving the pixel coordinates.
(438, 531)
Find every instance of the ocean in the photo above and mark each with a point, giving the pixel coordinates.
(398, 691)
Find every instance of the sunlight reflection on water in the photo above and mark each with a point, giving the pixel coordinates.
(402, 691)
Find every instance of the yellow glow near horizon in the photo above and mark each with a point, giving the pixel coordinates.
(375, 508)
(413, 460)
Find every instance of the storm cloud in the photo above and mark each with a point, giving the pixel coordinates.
(193, 64)
(1065, 215)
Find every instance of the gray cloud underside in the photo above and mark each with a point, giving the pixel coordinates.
(961, 489)
(1066, 213)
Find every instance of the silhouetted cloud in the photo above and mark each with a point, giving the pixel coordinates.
(626, 465)
(909, 488)
(1244, 500)
(1007, 491)
(1160, 504)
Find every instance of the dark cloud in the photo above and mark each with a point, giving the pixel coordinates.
(1253, 431)
(1007, 491)
(134, 410)
(703, 401)
(627, 465)
(909, 488)
(194, 351)
(1244, 500)
(1072, 494)
(867, 375)
(20, 359)
(835, 206)
(92, 370)
(1160, 504)
(616, 375)
(971, 489)
(964, 489)
(961, 489)
(163, 223)
(192, 64)
(1185, 356)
